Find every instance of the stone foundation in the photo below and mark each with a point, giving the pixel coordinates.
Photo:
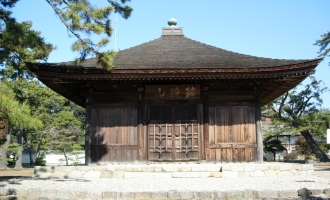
(175, 170)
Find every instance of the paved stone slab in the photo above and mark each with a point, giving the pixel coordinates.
(191, 174)
(147, 175)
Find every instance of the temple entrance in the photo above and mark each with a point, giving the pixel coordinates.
(173, 131)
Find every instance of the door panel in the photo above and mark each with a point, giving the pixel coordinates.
(173, 132)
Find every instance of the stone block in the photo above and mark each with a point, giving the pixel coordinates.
(267, 194)
(285, 167)
(218, 195)
(244, 174)
(257, 174)
(159, 195)
(327, 192)
(216, 174)
(173, 194)
(106, 174)
(186, 194)
(202, 195)
(186, 168)
(234, 194)
(142, 195)
(137, 168)
(132, 195)
(229, 174)
(170, 168)
(191, 174)
(110, 195)
(226, 168)
(306, 167)
(249, 168)
(206, 168)
(88, 168)
(75, 174)
(147, 175)
(250, 194)
(237, 168)
(285, 194)
(91, 175)
(293, 171)
(78, 194)
(270, 173)
(284, 173)
(118, 174)
(296, 167)
(274, 166)
(148, 168)
(158, 168)
(67, 168)
(316, 191)
(261, 167)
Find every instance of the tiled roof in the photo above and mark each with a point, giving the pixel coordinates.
(179, 52)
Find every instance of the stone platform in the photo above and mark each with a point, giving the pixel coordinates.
(171, 181)
(176, 170)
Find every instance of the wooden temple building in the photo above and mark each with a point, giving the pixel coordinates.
(174, 99)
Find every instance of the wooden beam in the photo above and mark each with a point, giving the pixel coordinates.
(88, 131)
(259, 130)
(232, 145)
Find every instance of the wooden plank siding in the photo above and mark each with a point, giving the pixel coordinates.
(115, 136)
(232, 133)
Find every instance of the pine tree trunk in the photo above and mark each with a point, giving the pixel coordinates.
(66, 159)
(3, 150)
(319, 154)
(18, 163)
(30, 156)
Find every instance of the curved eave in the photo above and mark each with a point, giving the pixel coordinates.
(68, 81)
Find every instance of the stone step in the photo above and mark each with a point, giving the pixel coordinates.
(219, 170)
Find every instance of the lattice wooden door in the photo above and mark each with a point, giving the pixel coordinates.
(173, 132)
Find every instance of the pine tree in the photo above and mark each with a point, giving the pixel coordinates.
(298, 112)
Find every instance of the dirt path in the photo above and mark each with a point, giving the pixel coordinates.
(10, 173)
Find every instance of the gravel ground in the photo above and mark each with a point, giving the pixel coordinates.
(166, 184)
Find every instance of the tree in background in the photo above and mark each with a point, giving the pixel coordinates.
(298, 112)
(323, 43)
(82, 19)
(68, 135)
(20, 44)
(16, 115)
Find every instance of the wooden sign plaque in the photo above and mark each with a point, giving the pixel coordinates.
(172, 92)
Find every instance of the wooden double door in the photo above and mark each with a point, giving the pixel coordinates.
(174, 131)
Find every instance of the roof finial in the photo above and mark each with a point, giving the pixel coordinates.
(172, 22)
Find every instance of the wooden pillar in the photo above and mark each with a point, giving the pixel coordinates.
(260, 152)
(88, 130)
(206, 122)
(141, 137)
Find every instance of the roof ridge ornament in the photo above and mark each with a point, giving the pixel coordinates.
(172, 22)
(172, 29)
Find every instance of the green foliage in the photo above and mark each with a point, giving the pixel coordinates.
(299, 112)
(83, 19)
(17, 113)
(272, 144)
(67, 134)
(323, 43)
(303, 148)
(40, 160)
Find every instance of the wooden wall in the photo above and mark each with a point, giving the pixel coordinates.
(232, 133)
(115, 136)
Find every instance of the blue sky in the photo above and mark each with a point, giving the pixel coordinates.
(278, 29)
